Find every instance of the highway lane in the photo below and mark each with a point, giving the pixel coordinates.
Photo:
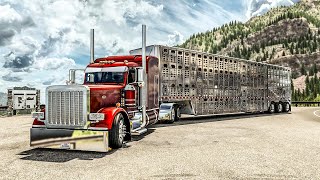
(279, 146)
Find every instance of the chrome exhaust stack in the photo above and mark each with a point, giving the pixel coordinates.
(141, 117)
(144, 88)
(72, 75)
(92, 46)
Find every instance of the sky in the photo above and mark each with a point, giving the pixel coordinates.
(40, 40)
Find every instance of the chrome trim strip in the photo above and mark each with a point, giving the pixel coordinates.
(38, 126)
(98, 129)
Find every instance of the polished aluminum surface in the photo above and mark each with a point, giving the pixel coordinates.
(87, 140)
(92, 46)
(219, 84)
(66, 106)
(143, 95)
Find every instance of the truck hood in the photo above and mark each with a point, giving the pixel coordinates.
(104, 96)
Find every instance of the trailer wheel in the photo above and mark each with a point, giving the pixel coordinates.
(279, 107)
(271, 108)
(178, 114)
(286, 107)
(173, 116)
(118, 132)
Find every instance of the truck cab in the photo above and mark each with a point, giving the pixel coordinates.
(107, 103)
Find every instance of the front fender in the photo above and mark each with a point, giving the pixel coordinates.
(109, 114)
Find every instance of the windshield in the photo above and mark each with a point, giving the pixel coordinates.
(104, 77)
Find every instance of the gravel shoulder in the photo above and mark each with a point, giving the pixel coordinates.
(281, 146)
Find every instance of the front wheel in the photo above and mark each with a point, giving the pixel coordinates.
(117, 132)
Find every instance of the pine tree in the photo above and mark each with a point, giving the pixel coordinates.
(297, 49)
(291, 48)
(303, 70)
(283, 53)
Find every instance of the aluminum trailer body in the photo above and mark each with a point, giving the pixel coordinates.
(203, 83)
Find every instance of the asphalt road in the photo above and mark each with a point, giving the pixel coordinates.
(280, 146)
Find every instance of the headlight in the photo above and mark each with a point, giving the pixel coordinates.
(38, 115)
(96, 116)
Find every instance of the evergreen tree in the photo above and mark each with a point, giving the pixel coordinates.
(291, 48)
(303, 70)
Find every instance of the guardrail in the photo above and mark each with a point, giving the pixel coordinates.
(305, 103)
(3, 107)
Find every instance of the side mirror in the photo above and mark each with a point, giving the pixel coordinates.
(139, 75)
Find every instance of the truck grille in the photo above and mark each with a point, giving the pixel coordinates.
(66, 106)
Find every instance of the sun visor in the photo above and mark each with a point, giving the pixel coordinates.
(107, 69)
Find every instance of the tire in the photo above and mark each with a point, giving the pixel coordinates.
(278, 107)
(118, 132)
(177, 111)
(286, 107)
(173, 116)
(271, 108)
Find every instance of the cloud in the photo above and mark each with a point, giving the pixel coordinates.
(260, 7)
(22, 54)
(11, 78)
(6, 36)
(48, 82)
(18, 62)
(51, 44)
(54, 63)
(175, 38)
(11, 22)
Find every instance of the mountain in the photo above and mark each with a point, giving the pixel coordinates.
(260, 7)
(3, 99)
(288, 36)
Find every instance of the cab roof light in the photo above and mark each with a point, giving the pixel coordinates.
(107, 62)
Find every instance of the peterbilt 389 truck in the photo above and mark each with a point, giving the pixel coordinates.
(122, 95)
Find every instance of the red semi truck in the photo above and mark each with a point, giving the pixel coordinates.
(122, 95)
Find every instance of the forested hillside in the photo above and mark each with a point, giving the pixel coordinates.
(288, 36)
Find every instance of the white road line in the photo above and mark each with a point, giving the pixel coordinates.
(316, 113)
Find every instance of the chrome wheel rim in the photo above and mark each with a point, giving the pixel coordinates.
(172, 115)
(280, 107)
(122, 130)
(272, 108)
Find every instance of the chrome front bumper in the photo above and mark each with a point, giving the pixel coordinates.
(87, 140)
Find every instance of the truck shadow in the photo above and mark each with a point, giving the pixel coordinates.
(214, 118)
(61, 156)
